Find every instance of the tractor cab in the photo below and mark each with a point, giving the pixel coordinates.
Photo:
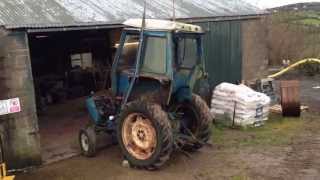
(170, 62)
(151, 109)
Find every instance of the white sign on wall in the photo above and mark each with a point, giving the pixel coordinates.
(10, 106)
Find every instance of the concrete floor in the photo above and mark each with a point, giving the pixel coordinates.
(59, 127)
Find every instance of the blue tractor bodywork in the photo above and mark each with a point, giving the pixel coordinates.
(166, 74)
(101, 110)
(93, 111)
(151, 108)
(181, 82)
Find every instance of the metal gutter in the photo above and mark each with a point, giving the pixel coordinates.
(118, 25)
(223, 18)
(80, 28)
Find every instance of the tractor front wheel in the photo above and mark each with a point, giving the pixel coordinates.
(88, 141)
(145, 135)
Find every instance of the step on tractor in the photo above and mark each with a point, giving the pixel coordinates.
(151, 110)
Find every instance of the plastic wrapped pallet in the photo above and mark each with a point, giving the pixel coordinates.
(240, 104)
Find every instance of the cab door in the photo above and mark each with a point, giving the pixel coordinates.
(125, 62)
(188, 66)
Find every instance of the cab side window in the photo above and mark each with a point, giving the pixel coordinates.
(129, 53)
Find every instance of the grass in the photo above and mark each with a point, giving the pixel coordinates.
(311, 18)
(276, 132)
(240, 177)
(309, 21)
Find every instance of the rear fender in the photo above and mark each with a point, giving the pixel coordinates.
(182, 94)
(151, 90)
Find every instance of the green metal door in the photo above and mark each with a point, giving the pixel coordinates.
(223, 51)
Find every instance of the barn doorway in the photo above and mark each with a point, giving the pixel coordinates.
(67, 67)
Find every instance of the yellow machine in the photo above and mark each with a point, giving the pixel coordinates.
(3, 168)
(3, 173)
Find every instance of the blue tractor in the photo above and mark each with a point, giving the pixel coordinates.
(151, 109)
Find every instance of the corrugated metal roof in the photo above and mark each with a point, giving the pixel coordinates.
(62, 13)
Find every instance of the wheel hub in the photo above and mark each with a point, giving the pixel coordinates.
(84, 142)
(139, 136)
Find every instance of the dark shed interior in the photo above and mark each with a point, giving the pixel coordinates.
(67, 67)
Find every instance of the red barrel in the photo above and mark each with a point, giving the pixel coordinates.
(290, 98)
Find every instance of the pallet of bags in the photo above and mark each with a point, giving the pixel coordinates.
(239, 105)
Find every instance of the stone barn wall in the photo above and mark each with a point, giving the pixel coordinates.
(254, 49)
(19, 131)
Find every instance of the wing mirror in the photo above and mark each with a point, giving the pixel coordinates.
(205, 75)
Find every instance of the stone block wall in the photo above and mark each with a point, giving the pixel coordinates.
(254, 49)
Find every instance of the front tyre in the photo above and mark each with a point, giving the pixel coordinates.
(145, 135)
(88, 141)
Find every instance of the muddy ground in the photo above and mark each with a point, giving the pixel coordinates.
(285, 148)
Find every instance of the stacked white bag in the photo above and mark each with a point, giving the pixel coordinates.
(250, 107)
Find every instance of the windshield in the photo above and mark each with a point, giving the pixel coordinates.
(187, 52)
(155, 55)
(154, 60)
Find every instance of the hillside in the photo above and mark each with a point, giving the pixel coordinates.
(294, 32)
(311, 6)
(300, 13)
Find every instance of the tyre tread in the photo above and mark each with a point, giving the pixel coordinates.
(161, 117)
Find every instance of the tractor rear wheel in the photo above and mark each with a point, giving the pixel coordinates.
(194, 123)
(145, 135)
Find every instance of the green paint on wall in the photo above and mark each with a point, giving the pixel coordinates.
(223, 51)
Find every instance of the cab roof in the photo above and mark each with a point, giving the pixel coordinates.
(164, 25)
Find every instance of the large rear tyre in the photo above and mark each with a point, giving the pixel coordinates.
(195, 123)
(145, 135)
(88, 141)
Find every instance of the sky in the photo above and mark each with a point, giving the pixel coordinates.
(276, 3)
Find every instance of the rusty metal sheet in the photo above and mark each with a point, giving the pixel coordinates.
(290, 98)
